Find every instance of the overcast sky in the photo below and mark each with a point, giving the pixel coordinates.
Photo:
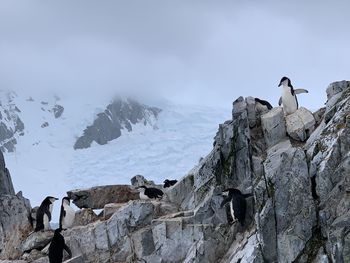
(201, 52)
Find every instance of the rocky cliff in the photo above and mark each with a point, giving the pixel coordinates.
(14, 216)
(118, 115)
(297, 169)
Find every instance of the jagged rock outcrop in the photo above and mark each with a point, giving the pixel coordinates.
(119, 115)
(97, 197)
(299, 211)
(14, 215)
(57, 110)
(6, 186)
(11, 125)
(300, 124)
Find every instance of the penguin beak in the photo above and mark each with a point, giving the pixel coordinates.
(279, 85)
(56, 198)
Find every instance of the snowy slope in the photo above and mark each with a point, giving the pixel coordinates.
(45, 163)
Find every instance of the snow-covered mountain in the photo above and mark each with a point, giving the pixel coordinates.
(119, 115)
(163, 140)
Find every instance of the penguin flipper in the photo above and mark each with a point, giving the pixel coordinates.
(66, 248)
(298, 91)
(280, 101)
(225, 201)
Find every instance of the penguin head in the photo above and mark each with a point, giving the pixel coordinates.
(285, 82)
(142, 188)
(66, 200)
(166, 181)
(231, 192)
(57, 232)
(50, 199)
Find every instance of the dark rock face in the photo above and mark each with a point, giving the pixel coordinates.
(58, 111)
(15, 224)
(6, 186)
(98, 197)
(11, 125)
(14, 216)
(118, 115)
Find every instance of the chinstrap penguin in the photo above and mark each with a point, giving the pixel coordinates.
(289, 99)
(57, 246)
(150, 193)
(169, 183)
(43, 215)
(264, 102)
(67, 214)
(237, 202)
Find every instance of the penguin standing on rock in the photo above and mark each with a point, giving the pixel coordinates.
(43, 215)
(67, 214)
(289, 99)
(169, 183)
(238, 204)
(57, 247)
(150, 193)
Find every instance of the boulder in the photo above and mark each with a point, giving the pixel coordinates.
(37, 240)
(84, 217)
(273, 126)
(33, 255)
(334, 94)
(15, 224)
(139, 180)
(98, 197)
(294, 211)
(58, 110)
(110, 209)
(300, 124)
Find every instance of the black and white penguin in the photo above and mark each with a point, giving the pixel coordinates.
(238, 204)
(264, 102)
(57, 246)
(150, 193)
(289, 99)
(43, 214)
(168, 183)
(67, 214)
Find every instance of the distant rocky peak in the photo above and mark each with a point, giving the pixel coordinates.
(119, 114)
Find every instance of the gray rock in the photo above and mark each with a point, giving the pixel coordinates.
(110, 209)
(334, 94)
(273, 125)
(33, 255)
(77, 259)
(293, 203)
(45, 124)
(118, 115)
(41, 260)
(58, 110)
(6, 186)
(14, 219)
(139, 180)
(84, 217)
(98, 197)
(336, 88)
(300, 124)
(37, 240)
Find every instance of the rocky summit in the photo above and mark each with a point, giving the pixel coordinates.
(296, 168)
(117, 116)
